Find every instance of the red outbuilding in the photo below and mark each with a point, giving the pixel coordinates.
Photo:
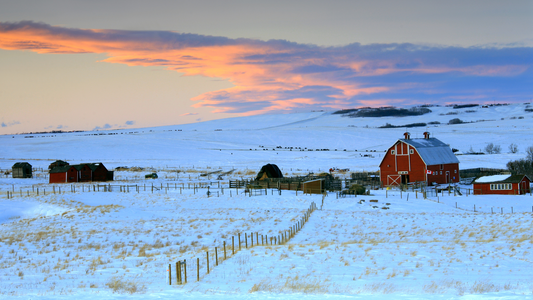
(419, 160)
(80, 173)
(502, 185)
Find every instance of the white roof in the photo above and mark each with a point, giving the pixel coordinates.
(492, 178)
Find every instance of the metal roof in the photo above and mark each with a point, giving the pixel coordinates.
(432, 151)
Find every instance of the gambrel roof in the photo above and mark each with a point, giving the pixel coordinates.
(431, 150)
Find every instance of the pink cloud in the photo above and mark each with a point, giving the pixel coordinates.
(273, 75)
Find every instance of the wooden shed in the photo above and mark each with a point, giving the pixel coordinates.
(80, 173)
(418, 160)
(313, 186)
(502, 185)
(22, 170)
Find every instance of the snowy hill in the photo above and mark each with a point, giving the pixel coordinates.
(117, 241)
(193, 144)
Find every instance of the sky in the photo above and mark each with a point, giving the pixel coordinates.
(84, 65)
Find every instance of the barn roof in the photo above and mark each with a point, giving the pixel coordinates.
(63, 169)
(21, 165)
(432, 151)
(501, 179)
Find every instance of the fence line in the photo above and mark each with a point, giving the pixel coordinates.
(280, 239)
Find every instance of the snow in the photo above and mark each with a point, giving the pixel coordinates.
(492, 178)
(83, 241)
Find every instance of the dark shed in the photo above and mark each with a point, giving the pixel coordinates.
(22, 170)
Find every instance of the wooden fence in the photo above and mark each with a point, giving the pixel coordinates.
(205, 264)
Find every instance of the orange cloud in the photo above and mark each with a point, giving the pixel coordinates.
(272, 75)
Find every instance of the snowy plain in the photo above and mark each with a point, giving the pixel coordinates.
(118, 244)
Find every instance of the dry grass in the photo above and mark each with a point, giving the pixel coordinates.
(126, 286)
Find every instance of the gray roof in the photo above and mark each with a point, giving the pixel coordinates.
(432, 151)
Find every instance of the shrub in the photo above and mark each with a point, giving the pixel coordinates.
(359, 189)
(493, 149)
(455, 121)
(465, 106)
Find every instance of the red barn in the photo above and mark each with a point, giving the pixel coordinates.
(502, 185)
(415, 160)
(80, 173)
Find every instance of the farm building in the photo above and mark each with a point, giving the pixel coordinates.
(315, 186)
(80, 173)
(502, 185)
(419, 160)
(269, 171)
(21, 170)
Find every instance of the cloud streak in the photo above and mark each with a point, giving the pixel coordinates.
(282, 75)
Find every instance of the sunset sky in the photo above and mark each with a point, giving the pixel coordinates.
(83, 65)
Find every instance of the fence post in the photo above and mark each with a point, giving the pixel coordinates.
(224, 250)
(197, 269)
(169, 274)
(216, 256)
(207, 255)
(239, 241)
(233, 245)
(246, 240)
(252, 238)
(178, 272)
(185, 269)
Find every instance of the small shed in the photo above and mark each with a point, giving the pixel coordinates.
(269, 171)
(22, 170)
(502, 185)
(313, 186)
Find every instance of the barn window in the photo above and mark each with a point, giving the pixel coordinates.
(411, 151)
(392, 152)
(455, 171)
(441, 167)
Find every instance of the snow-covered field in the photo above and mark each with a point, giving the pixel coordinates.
(91, 243)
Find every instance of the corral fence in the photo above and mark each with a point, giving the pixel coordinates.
(202, 266)
(367, 179)
(291, 183)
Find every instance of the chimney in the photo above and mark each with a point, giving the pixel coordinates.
(407, 135)
(426, 135)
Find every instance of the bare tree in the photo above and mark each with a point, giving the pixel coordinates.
(529, 153)
(513, 148)
(493, 149)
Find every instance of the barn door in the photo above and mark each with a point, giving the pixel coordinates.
(448, 177)
(393, 179)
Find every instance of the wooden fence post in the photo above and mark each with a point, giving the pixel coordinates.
(239, 241)
(169, 274)
(233, 245)
(224, 250)
(178, 272)
(216, 256)
(185, 269)
(246, 240)
(197, 269)
(207, 255)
